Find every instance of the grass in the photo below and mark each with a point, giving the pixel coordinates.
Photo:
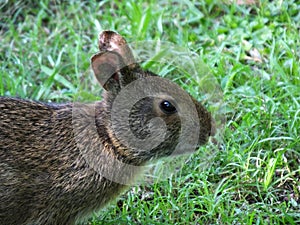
(253, 53)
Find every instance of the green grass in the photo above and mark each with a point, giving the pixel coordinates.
(252, 51)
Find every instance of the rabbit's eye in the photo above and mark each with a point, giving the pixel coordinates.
(167, 107)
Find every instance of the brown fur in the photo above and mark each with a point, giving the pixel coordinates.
(45, 177)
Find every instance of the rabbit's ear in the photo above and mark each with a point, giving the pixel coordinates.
(115, 66)
(106, 67)
(113, 42)
(112, 73)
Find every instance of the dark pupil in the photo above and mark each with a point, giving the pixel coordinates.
(167, 107)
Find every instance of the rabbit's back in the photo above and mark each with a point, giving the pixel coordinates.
(43, 178)
(26, 134)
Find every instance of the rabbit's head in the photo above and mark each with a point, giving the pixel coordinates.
(150, 117)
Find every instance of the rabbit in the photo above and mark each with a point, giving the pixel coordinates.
(59, 163)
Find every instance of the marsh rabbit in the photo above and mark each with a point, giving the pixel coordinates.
(59, 163)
